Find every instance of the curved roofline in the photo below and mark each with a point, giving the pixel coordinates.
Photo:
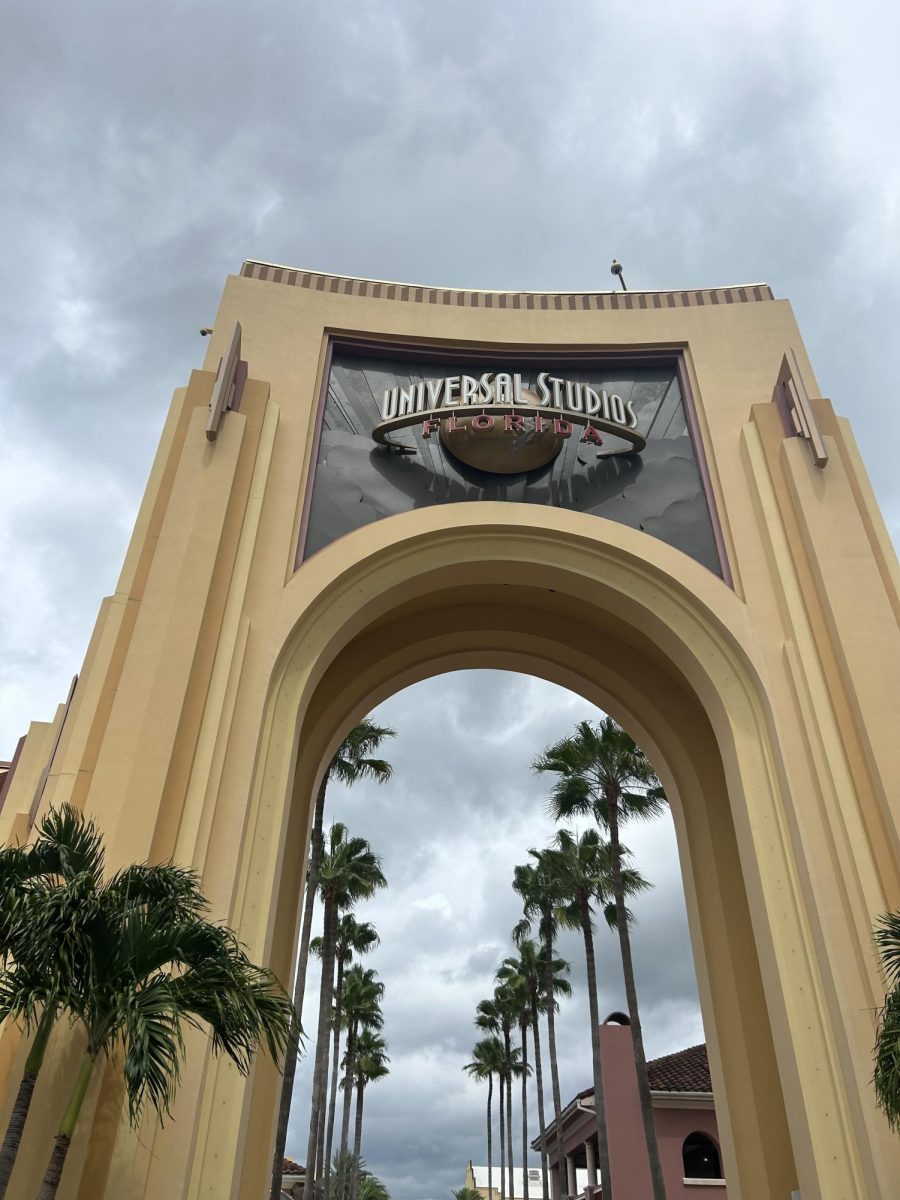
(375, 289)
(433, 287)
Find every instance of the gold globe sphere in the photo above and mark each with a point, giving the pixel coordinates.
(500, 451)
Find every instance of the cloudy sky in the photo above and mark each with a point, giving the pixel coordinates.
(147, 150)
(450, 827)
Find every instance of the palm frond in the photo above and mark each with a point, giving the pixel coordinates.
(353, 759)
(149, 1028)
(69, 844)
(887, 938)
(163, 886)
(887, 1060)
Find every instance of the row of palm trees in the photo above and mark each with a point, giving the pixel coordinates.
(349, 999)
(599, 773)
(343, 871)
(129, 961)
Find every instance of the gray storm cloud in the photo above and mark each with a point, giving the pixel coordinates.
(462, 809)
(512, 145)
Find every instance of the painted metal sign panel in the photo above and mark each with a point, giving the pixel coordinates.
(611, 440)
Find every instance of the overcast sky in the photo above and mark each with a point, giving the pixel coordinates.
(450, 827)
(147, 150)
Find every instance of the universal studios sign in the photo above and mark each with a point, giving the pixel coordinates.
(461, 407)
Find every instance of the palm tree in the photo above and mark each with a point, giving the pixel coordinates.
(488, 1060)
(353, 938)
(583, 866)
(142, 977)
(509, 1006)
(489, 1020)
(465, 1193)
(371, 1065)
(352, 761)
(349, 871)
(498, 1016)
(539, 889)
(31, 880)
(527, 972)
(45, 890)
(362, 1003)
(370, 1187)
(599, 770)
(887, 1044)
(521, 1010)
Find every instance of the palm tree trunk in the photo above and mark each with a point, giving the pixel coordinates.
(502, 1138)
(357, 1139)
(16, 1127)
(634, 1016)
(329, 938)
(293, 1043)
(554, 1065)
(335, 1071)
(599, 1105)
(524, 1031)
(490, 1139)
(509, 1124)
(63, 1140)
(349, 1072)
(539, 1082)
(321, 1160)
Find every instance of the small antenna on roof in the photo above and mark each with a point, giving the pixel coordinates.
(616, 269)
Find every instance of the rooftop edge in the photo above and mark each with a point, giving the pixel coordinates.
(382, 289)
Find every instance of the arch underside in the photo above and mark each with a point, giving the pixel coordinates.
(618, 653)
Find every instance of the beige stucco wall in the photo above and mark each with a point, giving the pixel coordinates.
(769, 710)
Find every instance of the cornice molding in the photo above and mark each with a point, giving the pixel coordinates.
(380, 289)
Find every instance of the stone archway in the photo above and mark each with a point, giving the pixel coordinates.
(226, 666)
(605, 618)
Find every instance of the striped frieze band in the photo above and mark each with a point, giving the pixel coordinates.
(559, 301)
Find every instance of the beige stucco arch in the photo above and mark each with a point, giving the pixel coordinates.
(667, 649)
(223, 671)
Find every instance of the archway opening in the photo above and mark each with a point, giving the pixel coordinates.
(459, 813)
(629, 642)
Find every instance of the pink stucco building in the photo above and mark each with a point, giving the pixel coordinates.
(684, 1114)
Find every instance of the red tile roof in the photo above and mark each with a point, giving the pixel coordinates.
(684, 1071)
(289, 1167)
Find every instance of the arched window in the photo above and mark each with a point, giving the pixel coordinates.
(701, 1157)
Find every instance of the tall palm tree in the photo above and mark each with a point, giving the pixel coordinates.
(521, 1010)
(143, 978)
(45, 891)
(514, 1068)
(887, 1044)
(489, 1020)
(509, 1006)
(539, 889)
(526, 971)
(497, 1016)
(362, 1005)
(488, 1060)
(349, 871)
(371, 1065)
(353, 760)
(599, 770)
(583, 866)
(353, 938)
